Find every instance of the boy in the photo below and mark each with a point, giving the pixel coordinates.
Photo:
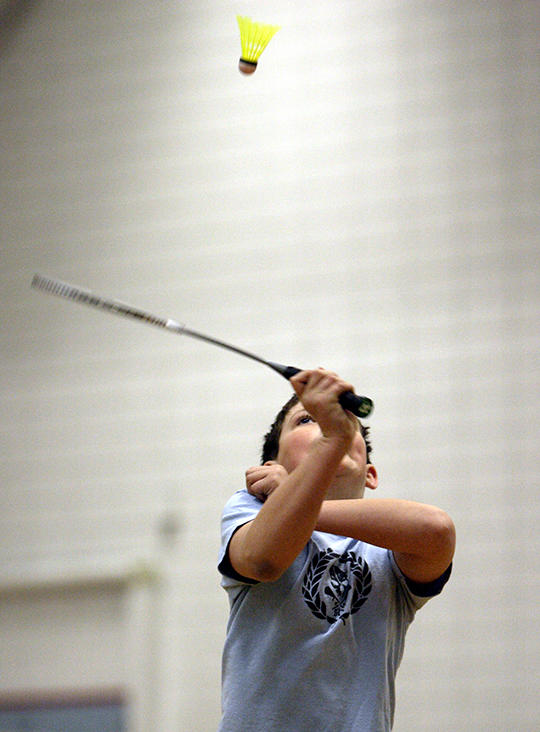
(322, 584)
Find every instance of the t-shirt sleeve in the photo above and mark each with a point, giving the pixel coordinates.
(418, 593)
(241, 508)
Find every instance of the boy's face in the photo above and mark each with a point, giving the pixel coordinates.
(298, 433)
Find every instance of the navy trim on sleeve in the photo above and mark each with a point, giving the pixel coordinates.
(226, 567)
(429, 589)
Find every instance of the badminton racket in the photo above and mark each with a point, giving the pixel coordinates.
(361, 406)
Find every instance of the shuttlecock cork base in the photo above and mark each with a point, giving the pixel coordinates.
(247, 67)
(254, 38)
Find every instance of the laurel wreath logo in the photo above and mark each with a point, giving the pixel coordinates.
(343, 579)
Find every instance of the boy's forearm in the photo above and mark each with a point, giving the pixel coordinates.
(421, 535)
(288, 517)
(391, 523)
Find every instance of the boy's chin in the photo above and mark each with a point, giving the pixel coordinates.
(350, 472)
(342, 491)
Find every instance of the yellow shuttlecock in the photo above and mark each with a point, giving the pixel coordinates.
(254, 38)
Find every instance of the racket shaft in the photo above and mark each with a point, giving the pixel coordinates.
(359, 405)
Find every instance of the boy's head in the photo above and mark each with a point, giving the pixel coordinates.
(271, 439)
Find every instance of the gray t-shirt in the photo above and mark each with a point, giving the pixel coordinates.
(318, 649)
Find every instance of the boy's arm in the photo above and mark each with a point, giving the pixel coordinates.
(422, 537)
(265, 547)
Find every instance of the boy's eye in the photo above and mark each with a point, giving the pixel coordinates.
(305, 419)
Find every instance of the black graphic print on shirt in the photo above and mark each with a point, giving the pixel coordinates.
(336, 585)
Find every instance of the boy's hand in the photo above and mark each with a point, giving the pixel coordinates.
(319, 391)
(262, 480)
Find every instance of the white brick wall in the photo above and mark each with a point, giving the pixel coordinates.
(367, 201)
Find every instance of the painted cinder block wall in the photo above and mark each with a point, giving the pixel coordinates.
(367, 201)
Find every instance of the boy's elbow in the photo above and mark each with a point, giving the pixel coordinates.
(265, 570)
(254, 559)
(442, 535)
(257, 565)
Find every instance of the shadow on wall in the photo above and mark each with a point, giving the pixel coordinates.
(13, 13)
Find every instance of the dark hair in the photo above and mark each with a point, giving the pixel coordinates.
(271, 439)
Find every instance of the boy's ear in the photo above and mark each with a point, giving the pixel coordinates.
(372, 479)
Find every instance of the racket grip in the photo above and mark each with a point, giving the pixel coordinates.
(361, 406)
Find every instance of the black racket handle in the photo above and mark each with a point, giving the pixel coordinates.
(361, 406)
